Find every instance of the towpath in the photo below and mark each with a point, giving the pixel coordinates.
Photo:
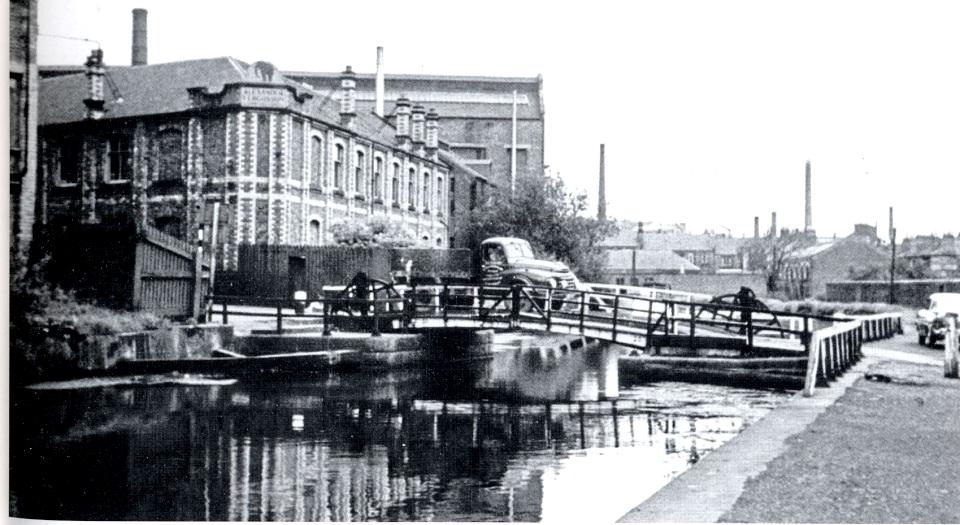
(881, 445)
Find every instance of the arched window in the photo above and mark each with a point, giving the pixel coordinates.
(171, 154)
(314, 232)
(411, 187)
(426, 190)
(338, 168)
(359, 184)
(440, 195)
(316, 161)
(378, 178)
(395, 184)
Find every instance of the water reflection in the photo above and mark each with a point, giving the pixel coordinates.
(405, 446)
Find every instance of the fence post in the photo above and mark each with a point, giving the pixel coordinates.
(616, 314)
(515, 306)
(280, 318)
(224, 310)
(812, 345)
(583, 307)
(326, 317)
(549, 306)
(376, 318)
(951, 353)
(750, 330)
(445, 302)
(693, 331)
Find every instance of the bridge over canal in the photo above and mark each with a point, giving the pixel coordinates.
(645, 319)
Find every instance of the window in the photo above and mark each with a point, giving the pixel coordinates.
(169, 225)
(69, 162)
(453, 197)
(315, 232)
(426, 190)
(395, 184)
(411, 188)
(338, 168)
(474, 197)
(316, 159)
(378, 178)
(119, 157)
(171, 148)
(358, 180)
(439, 200)
(17, 121)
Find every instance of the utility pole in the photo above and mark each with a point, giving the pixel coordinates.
(893, 258)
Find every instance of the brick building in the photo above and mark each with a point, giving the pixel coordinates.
(478, 123)
(807, 271)
(24, 94)
(159, 144)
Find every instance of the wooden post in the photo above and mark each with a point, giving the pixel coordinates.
(951, 353)
(198, 275)
(213, 257)
(812, 344)
(693, 332)
(225, 320)
(326, 317)
(583, 307)
(616, 313)
(750, 331)
(280, 318)
(376, 317)
(549, 308)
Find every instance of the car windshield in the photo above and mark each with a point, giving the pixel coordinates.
(518, 249)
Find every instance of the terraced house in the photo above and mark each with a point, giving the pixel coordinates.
(158, 145)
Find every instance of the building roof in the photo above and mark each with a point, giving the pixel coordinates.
(648, 261)
(677, 241)
(159, 89)
(450, 96)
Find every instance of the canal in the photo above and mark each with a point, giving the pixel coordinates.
(540, 431)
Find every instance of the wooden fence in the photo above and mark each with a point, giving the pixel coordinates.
(121, 266)
(280, 270)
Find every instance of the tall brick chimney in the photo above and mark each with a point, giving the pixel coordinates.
(95, 78)
(773, 224)
(432, 131)
(403, 119)
(139, 54)
(348, 100)
(379, 83)
(756, 227)
(808, 209)
(417, 131)
(602, 192)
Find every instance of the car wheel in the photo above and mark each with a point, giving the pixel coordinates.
(921, 339)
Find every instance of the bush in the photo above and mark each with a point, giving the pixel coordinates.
(825, 308)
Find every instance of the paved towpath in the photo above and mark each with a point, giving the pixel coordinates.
(881, 445)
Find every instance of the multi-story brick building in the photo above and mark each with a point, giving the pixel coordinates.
(159, 144)
(480, 117)
(24, 82)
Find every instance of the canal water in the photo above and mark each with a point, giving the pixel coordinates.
(540, 432)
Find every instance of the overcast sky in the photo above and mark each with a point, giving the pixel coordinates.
(709, 110)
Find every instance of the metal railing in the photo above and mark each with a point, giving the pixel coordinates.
(831, 344)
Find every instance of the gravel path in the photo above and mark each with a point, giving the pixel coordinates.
(888, 451)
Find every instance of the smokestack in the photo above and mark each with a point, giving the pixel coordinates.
(139, 55)
(756, 227)
(95, 75)
(380, 87)
(890, 230)
(773, 224)
(602, 197)
(808, 215)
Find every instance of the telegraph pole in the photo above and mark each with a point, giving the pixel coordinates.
(893, 257)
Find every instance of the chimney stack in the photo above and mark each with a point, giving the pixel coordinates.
(403, 120)
(773, 225)
(348, 102)
(139, 54)
(756, 227)
(95, 77)
(602, 197)
(417, 125)
(432, 131)
(380, 84)
(808, 215)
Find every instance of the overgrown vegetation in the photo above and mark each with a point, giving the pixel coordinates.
(826, 308)
(374, 231)
(47, 325)
(552, 219)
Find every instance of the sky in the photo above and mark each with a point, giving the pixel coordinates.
(709, 110)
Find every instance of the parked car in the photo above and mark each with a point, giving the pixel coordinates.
(932, 321)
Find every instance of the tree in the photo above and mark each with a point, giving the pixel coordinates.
(772, 255)
(552, 219)
(373, 231)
